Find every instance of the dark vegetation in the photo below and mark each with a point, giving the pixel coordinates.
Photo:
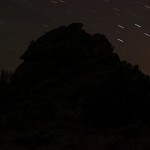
(73, 92)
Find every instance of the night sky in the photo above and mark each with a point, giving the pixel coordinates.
(126, 23)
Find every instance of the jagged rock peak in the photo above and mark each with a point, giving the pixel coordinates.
(71, 39)
(64, 48)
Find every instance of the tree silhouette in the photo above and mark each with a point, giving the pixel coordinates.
(5, 78)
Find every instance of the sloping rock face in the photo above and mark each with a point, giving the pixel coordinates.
(61, 51)
(72, 84)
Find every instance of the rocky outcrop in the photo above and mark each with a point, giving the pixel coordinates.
(72, 84)
(62, 51)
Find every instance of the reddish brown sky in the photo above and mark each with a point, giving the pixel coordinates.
(126, 23)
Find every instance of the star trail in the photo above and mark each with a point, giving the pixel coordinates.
(125, 23)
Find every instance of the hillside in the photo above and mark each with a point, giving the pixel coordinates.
(72, 87)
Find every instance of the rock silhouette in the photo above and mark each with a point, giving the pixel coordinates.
(59, 50)
(71, 83)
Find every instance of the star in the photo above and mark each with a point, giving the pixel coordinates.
(138, 25)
